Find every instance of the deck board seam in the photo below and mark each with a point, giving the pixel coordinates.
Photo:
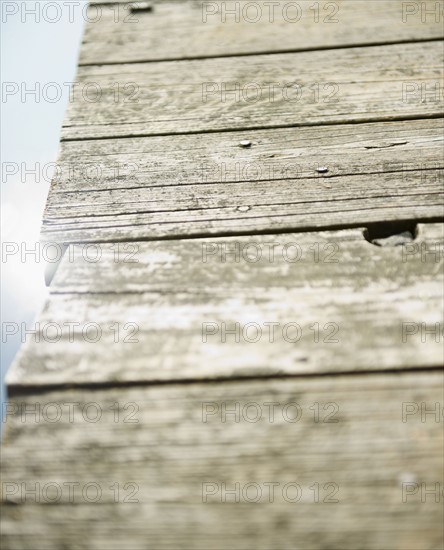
(370, 120)
(30, 389)
(283, 51)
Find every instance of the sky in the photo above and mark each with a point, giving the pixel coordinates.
(39, 52)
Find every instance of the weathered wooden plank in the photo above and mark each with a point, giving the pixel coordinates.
(168, 316)
(237, 264)
(260, 91)
(192, 29)
(161, 319)
(115, 189)
(233, 208)
(279, 153)
(370, 441)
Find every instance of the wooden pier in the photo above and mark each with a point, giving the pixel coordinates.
(243, 344)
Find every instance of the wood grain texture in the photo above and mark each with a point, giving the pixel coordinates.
(237, 264)
(192, 29)
(147, 188)
(233, 208)
(368, 453)
(180, 306)
(275, 154)
(364, 334)
(307, 88)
